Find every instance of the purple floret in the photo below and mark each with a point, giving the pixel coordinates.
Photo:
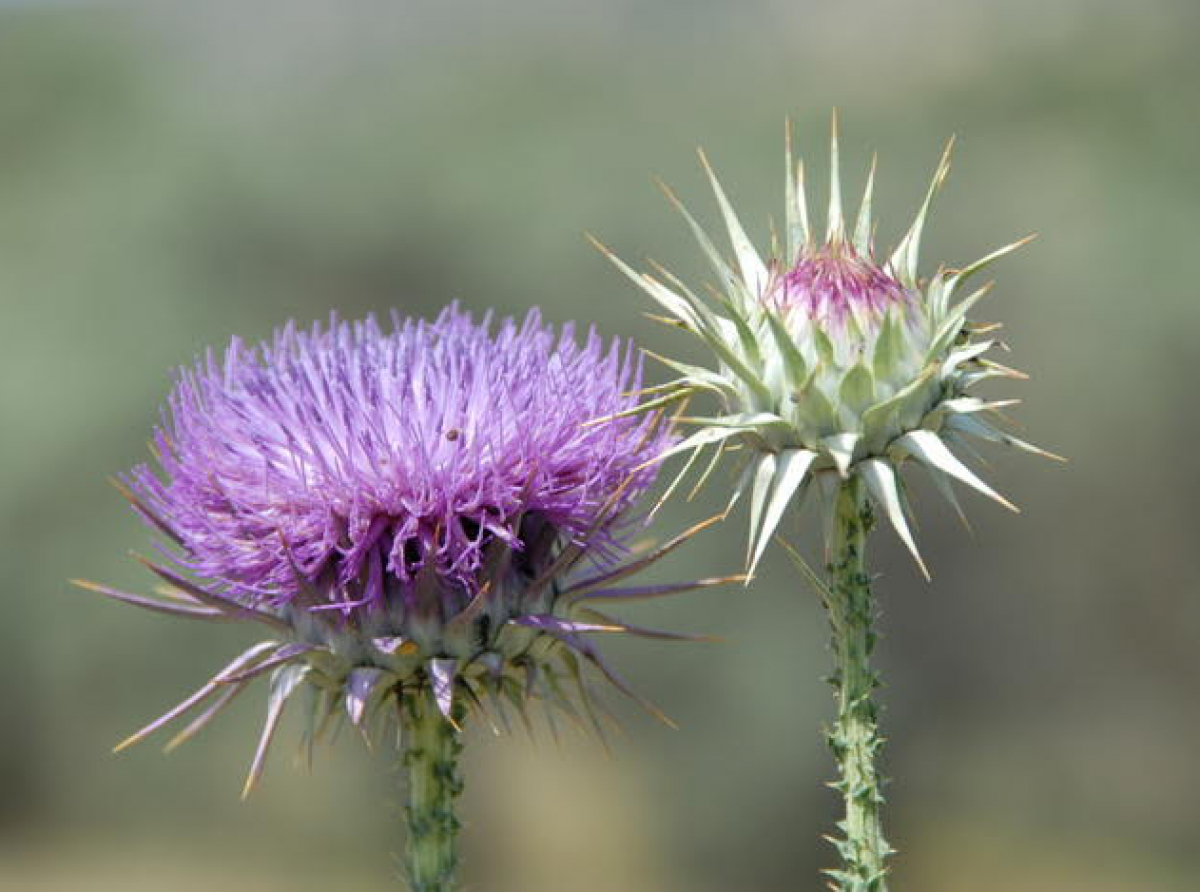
(833, 283)
(361, 457)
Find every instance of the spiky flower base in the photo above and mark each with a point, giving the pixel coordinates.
(854, 739)
(370, 676)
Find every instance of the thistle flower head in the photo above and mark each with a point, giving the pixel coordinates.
(377, 458)
(828, 361)
(407, 508)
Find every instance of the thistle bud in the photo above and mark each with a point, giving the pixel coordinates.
(830, 362)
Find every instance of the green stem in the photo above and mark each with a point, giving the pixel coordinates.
(854, 738)
(431, 751)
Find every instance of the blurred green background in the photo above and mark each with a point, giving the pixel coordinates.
(173, 174)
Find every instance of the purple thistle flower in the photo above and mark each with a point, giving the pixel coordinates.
(408, 509)
(362, 456)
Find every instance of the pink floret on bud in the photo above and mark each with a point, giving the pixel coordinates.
(833, 283)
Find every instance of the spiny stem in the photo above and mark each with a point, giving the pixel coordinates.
(431, 751)
(854, 738)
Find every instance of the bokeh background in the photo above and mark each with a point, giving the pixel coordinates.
(172, 174)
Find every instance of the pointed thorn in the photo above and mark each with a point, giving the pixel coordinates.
(669, 192)
(598, 245)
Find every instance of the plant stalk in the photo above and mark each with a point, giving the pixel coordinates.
(854, 738)
(430, 757)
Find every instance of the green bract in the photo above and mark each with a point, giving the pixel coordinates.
(830, 363)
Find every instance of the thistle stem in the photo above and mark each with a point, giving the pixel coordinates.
(431, 751)
(854, 738)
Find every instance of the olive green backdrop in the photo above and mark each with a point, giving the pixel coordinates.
(173, 174)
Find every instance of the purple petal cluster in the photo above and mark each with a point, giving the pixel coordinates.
(364, 456)
(835, 283)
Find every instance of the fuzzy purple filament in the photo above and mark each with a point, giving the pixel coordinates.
(834, 283)
(363, 457)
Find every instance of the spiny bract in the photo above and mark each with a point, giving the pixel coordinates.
(405, 510)
(829, 362)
